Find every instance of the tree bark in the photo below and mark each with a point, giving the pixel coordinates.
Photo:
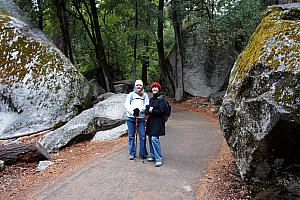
(64, 27)
(94, 33)
(40, 15)
(145, 62)
(164, 66)
(23, 153)
(145, 57)
(212, 9)
(135, 42)
(177, 24)
(100, 52)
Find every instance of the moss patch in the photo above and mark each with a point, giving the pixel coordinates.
(275, 44)
(3, 11)
(22, 55)
(285, 94)
(269, 28)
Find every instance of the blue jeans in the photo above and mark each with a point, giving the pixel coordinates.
(142, 138)
(155, 150)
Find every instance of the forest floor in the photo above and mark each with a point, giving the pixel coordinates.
(221, 180)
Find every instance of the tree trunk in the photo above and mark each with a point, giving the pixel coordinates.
(90, 31)
(145, 62)
(135, 42)
(23, 153)
(40, 15)
(64, 27)
(100, 52)
(177, 24)
(93, 30)
(163, 64)
(212, 9)
(145, 57)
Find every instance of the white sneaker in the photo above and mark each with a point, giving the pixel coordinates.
(131, 157)
(158, 164)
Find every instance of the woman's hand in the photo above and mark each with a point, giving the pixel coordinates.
(150, 109)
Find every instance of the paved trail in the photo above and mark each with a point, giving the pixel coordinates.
(190, 141)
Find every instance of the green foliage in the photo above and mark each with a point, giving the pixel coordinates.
(169, 36)
(153, 73)
(118, 28)
(230, 21)
(238, 23)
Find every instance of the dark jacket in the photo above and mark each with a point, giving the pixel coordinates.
(156, 119)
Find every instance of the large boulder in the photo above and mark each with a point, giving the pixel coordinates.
(206, 66)
(111, 134)
(124, 86)
(39, 86)
(96, 88)
(260, 114)
(105, 115)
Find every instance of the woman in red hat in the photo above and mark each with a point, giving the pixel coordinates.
(155, 126)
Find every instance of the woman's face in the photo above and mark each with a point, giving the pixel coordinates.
(155, 90)
(139, 88)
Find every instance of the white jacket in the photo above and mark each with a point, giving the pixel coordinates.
(133, 100)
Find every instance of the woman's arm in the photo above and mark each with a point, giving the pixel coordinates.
(127, 104)
(145, 103)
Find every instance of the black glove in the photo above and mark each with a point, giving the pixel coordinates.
(147, 109)
(136, 112)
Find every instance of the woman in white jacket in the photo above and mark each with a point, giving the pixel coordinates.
(135, 105)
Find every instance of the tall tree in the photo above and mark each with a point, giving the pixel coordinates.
(93, 30)
(64, 27)
(177, 24)
(135, 41)
(145, 56)
(39, 11)
(164, 65)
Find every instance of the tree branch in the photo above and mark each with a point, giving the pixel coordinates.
(27, 134)
(81, 17)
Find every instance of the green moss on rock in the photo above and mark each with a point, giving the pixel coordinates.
(3, 11)
(275, 44)
(272, 26)
(28, 52)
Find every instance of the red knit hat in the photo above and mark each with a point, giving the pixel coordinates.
(155, 84)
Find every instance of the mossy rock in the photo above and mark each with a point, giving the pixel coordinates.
(36, 80)
(275, 44)
(260, 113)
